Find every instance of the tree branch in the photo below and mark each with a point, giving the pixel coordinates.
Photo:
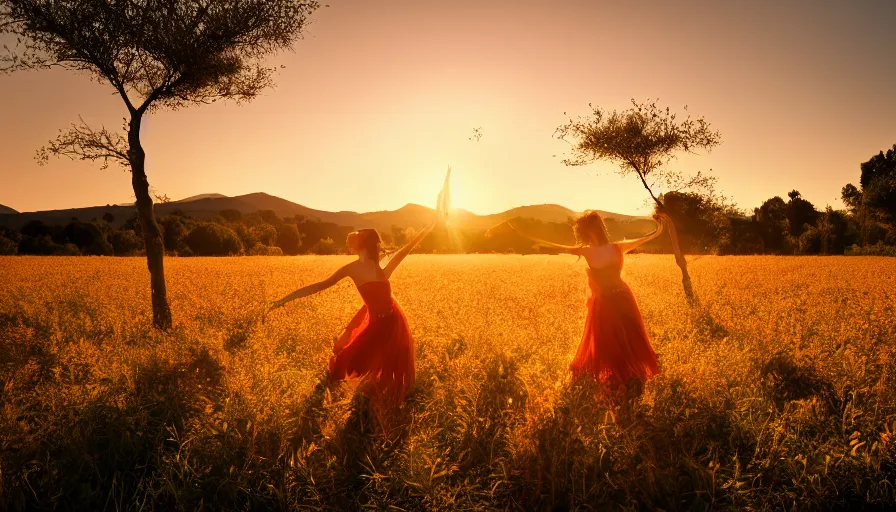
(81, 142)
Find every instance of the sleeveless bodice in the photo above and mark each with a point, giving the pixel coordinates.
(377, 296)
(607, 278)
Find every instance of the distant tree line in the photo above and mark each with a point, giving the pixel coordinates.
(867, 226)
(230, 233)
(264, 233)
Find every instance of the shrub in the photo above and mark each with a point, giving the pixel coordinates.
(126, 243)
(810, 241)
(43, 245)
(265, 250)
(8, 246)
(265, 234)
(231, 215)
(89, 237)
(878, 249)
(9, 241)
(326, 247)
(213, 240)
(288, 238)
(174, 230)
(35, 228)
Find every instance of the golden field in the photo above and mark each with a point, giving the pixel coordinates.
(779, 391)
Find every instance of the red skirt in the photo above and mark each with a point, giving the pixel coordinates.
(614, 347)
(380, 350)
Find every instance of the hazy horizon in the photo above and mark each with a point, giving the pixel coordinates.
(192, 198)
(378, 99)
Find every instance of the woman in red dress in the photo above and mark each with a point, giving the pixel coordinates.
(377, 343)
(614, 347)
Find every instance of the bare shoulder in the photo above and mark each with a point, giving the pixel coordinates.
(349, 269)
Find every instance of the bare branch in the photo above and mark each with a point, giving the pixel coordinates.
(81, 142)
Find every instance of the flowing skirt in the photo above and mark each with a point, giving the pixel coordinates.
(378, 349)
(614, 347)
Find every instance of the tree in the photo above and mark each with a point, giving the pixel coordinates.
(154, 54)
(835, 231)
(701, 221)
(852, 198)
(771, 219)
(231, 215)
(746, 237)
(878, 182)
(88, 237)
(125, 242)
(642, 140)
(271, 217)
(325, 247)
(174, 233)
(212, 239)
(289, 240)
(398, 236)
(9, 241)
(35, 228)
(800, 214)
(873, 203)
(264, 234)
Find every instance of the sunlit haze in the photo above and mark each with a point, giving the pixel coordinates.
(379, 98)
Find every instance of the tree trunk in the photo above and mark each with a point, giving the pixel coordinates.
(683, 265)
(152, 234)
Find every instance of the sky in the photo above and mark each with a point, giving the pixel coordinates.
(380, 97)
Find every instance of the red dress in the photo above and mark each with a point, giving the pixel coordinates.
(376, 345)
(614, 348)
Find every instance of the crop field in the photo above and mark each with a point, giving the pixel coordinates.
(777, 392)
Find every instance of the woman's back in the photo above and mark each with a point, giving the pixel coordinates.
(600, 256)
(377, 297)
(604, 267)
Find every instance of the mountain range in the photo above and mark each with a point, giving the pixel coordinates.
(208, 205)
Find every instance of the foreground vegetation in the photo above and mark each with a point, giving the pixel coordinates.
(779, 392)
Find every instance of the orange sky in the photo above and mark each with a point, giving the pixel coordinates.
(380, 97)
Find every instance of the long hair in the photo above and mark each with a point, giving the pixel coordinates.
(590, 229)
(365, 241)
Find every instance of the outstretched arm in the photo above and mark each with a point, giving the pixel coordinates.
(404, 251)
(630, 245)
(569, 249)
(313, 288)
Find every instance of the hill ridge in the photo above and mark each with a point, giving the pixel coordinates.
(208, 205)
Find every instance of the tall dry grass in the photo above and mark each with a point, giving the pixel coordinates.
(777, 393)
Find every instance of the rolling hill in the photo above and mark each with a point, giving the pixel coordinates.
(200, 196)
(209, 205)
(7, 210)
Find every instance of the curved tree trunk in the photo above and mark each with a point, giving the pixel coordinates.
(683, 265)
(152, 234)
